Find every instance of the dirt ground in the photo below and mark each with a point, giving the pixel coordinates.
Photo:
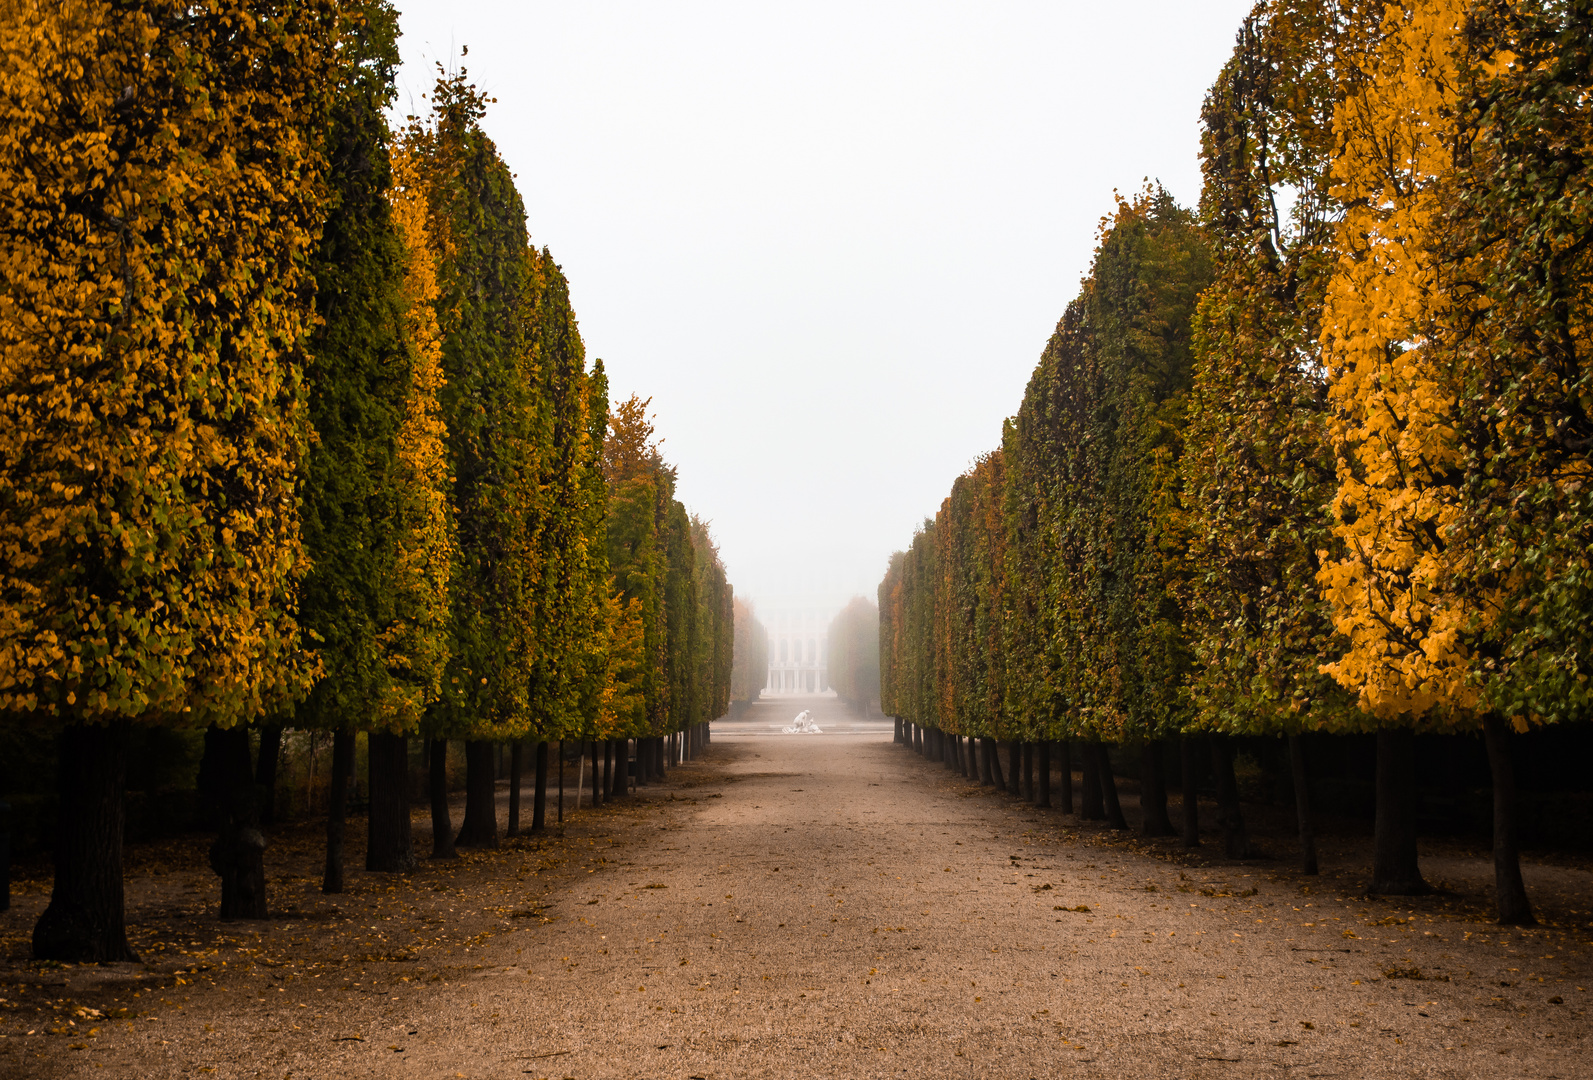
(818, 905)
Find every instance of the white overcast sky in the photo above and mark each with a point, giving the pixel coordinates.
(828, 239)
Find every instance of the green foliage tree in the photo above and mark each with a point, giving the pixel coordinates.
(376, 526)
(498, 424)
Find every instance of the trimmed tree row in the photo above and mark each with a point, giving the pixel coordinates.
(1315, 457)
(297, 430)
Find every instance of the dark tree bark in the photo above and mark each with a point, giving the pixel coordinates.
(516, 772)
(266, 771)
(1395, 869)
(337, 810)
(607, 782)
(1028, 770)
(561, 782)
(1189, 752)
(86, 922)
(896, 729)
(1043, 767)
(442, 826)
(479, 829)
(390, 848)
(993, 750)
(1014, 768)
(226, 784)
(1510, 892)
(1302, 804)
(1153, 792)
(1230, 818)
(622, 755)
(1114, 806)
(1092, 803)
(539, 798)
(1064, 761)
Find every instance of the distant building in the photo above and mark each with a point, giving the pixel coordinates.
(798, 650)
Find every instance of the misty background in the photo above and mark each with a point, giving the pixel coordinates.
(828, 240)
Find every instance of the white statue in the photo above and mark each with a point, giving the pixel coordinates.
(803, 725)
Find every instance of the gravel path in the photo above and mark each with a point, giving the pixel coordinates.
(832, 905)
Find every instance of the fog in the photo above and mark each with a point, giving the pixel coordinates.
(828, 240)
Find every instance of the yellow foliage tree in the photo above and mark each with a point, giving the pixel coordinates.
(1399, 461)
(160, 186)
(416, 641)
(1399, 410)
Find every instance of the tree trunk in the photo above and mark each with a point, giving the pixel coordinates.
(226, 782)
(561, 781)
(1043, 767)
(480, 826)
(1189, 752)
(337, 810)
(608, 769)
(1014, 768)
(539, 797)
(1302, 804)
(391, 848)
(85, 922)
(1230, 818)
(1114, 806)
(597, 774)
(266, 771)
(1153, 792)
(1092, 804)
(1028, 770)
(896, 729)
(622, 755)
(516, 771)
(1395, 870)
(992, 750)
(442, 826)
(1064, 761)
(1510, 892)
